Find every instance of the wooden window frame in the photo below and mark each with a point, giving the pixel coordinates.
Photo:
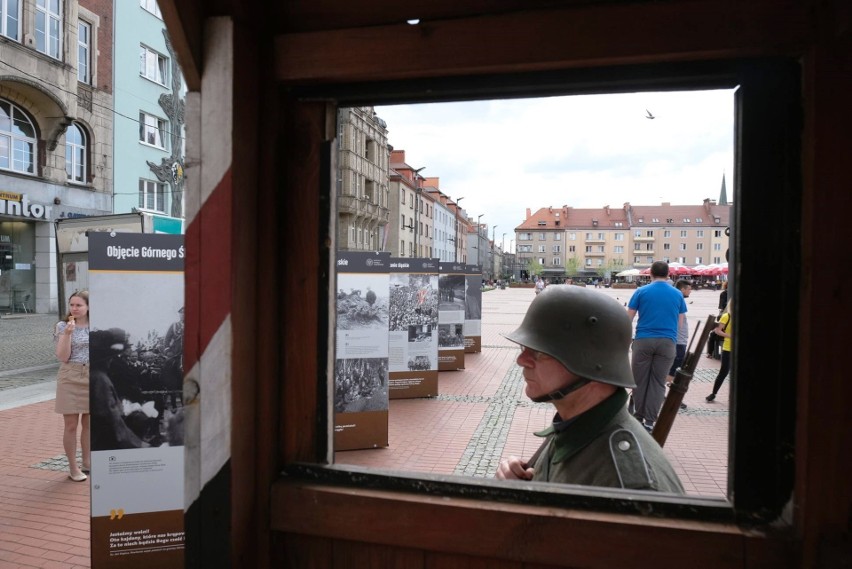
(314, 493)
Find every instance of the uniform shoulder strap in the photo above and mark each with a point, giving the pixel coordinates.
(629, 461)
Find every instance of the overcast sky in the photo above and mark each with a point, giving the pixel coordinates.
(504, 156)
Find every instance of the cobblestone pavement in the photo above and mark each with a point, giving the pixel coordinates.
(26, 341)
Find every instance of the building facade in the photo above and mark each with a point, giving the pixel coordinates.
(56, 137)
(599, 242)
(363, 196)
(149, 128)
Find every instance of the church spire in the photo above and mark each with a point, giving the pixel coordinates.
(723, 195)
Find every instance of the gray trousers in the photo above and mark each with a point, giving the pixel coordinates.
(652, 358)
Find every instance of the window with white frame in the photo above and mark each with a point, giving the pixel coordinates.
(699, 233)
(698, 260)
(572, 236)
(152, 130)
(557, 237)
(17, 139)
(76, 154)
(153, 65)
(682, 247)
(618, 249)
(10, 18)
(152, 7)
(557, 248)
(542, 236)
(667, 246)
(152, 195)
(84, 50)
(637, 233)
(619, 236)
(683, 233)
(667, 233)
(557, 261)
(717, 233)
(524, 236)
(699, 246)
(542, 248)
(717, 246)
(588, 262)
(572, 248)
(48, 26)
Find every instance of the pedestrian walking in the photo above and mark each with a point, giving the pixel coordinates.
(71, 336)
(724, 330)
(574, 354)
(661, 310)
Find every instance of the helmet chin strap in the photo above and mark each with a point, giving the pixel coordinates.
(560, 393)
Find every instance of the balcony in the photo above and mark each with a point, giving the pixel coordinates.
(362, 208)
(595, 254)
(645, 252)
(644, 239)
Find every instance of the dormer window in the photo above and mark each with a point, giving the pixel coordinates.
(698, 220)
(595, 222)
(686, 220)
(717, 220)
(542, 223)
(669, 220)
(641, 220)
(656, 220)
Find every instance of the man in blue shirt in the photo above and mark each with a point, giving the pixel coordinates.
(661, 310)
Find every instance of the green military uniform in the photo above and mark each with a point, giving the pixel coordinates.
(605, 446)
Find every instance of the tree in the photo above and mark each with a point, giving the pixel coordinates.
(572, 265)
(534, 267)
(605, 270)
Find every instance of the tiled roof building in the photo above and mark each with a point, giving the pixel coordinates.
(571, 241)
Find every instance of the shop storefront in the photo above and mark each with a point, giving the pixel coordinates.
(28, 278)
(18, 220)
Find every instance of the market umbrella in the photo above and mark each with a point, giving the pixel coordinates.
(628, 273)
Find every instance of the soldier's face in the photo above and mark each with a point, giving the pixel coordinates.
(543, 374)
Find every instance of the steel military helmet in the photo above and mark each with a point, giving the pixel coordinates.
(586, 331)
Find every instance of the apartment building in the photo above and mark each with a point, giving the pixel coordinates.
(407, 208)
(149, 129)
(363, 195)
(570, 241)
(56, 136)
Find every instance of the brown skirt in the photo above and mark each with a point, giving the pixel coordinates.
(72, 389)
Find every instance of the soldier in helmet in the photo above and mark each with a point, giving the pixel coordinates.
(574, 354)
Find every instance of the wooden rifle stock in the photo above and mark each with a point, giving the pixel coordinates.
(680, 383)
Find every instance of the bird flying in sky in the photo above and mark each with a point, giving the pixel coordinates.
(649, 115)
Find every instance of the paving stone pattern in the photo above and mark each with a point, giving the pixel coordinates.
(26, 341)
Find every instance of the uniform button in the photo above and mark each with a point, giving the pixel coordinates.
(623, 445)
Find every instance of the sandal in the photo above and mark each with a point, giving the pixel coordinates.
(78, 477)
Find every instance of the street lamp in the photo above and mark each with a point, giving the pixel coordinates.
(493, 238)
(478, 239)
(417, 192)
(456, 242)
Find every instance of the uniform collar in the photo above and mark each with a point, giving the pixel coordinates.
(583, 428)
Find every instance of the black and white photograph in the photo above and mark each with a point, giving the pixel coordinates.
(136, 359)
(421, 333)
(450, 335)
(473, 298)
(451, 289)
(413, 301)
(362, 301)
(419, 363)
(360, 384)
